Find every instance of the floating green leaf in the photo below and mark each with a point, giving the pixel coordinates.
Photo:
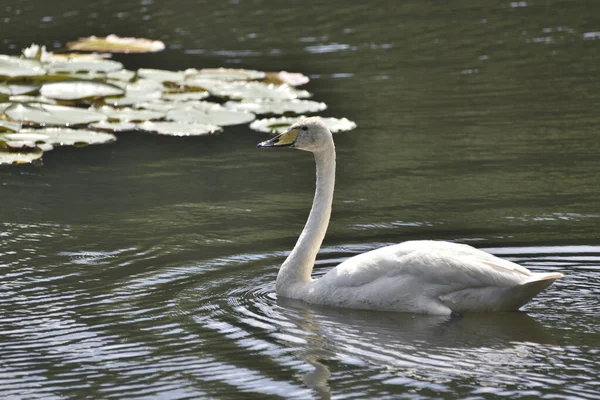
(281, 124)
(31, 99)
(295, 106)
(164, 106)
(73, 137)
(8, 126)
(76, 65)
(13, 67)
(129, 114)
(113, 127)
(77, 90)
(161, 75)
(185, 96)
(248, 90)
(116, 44)
(9, 157)
(139, 91)
(124, 75)
(4, 106)
(18, 90)
(179, 129)
(48, 114)
(226, 74)
(22, 141)
(214, 116)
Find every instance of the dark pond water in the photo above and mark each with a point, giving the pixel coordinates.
(145, 269)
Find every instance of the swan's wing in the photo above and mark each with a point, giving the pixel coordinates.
(443, 265)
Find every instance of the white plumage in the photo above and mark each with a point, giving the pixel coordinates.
(431, 277)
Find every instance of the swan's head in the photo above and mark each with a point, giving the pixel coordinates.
(309, 134)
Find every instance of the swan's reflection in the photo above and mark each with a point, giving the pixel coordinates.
(399, 342)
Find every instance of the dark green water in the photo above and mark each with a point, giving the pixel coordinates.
(146, 268)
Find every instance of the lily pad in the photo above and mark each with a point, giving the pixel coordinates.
(227, 74)
(77, 90)
(31, 99)
(9, 157)
(113, 127)
(48, 114)
(281, 124)
(22, 141)
(179, 129)
(13, 67)
(129, 114)
(73, 137)
(4, 106)
(123, 75)
(116, 44)
(18, 90)
(222, 117)
(185, 96)
(295, 106)
(164, 106)
(80, 75)
(248, 90)
(84, 65)
(161, 75)
(139, 91)
(8, 126)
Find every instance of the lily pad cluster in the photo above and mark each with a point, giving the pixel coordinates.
(77, 99)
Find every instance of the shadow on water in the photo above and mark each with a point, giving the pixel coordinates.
(401, 341)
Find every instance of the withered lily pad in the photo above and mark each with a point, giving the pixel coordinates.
(84, 65)
(294, 106)
(281, 124)
(13, 67)
(214, 116)
(129, 114)
(113, 127)
(284, 77)
(77, 90)
(116, 44)
(48, 114)
(179, 129)
(73, 137)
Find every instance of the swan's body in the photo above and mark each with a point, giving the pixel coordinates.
(431, 277)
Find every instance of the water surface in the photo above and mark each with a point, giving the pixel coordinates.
(146, 268)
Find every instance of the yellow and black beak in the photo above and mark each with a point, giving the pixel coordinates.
(286, 139)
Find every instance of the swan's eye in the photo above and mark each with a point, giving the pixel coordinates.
(304, 128)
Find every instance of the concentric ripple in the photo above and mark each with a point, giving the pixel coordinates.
(331, 350)
(140, 322)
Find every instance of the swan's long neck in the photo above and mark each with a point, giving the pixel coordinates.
(298, 266)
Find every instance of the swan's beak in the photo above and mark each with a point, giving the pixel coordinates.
(286, 139)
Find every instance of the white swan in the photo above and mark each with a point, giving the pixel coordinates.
(431, 277)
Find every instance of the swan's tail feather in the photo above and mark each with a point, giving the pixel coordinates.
(537, 283)
(499, 298)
